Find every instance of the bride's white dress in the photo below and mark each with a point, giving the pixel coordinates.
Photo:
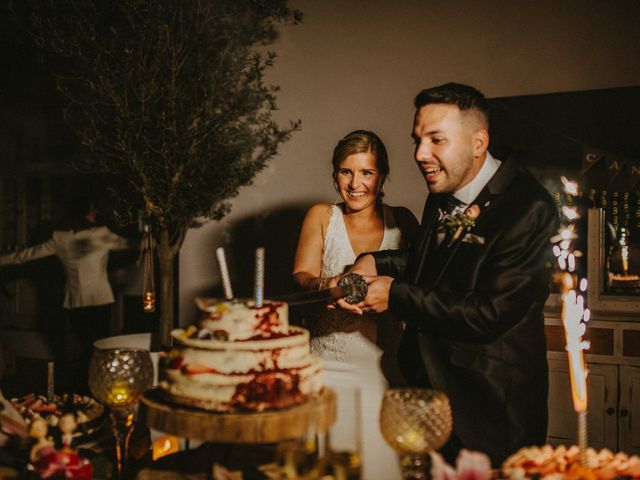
(346, 342)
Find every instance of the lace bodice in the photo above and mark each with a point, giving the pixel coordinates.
(337, 255)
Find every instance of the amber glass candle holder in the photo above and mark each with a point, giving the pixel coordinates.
(414, 422)
(118, 378)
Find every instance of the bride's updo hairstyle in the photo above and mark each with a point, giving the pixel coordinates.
(361, 141)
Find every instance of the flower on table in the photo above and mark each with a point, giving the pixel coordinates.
(470, 465)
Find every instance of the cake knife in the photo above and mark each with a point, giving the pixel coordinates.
(352, 288)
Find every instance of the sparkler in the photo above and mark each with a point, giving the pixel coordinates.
(258, 285)
(574, 313)
(224, 273)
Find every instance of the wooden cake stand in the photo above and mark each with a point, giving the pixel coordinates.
(317, 414)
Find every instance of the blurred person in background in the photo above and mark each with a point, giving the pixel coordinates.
(82, 245)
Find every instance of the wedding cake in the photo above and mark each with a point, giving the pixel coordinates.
(240, 357)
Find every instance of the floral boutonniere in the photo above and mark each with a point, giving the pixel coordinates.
(460, 221)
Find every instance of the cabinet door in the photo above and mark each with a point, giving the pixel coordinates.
(602, 394)
(629, 415)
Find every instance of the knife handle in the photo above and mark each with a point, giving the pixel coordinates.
(357, 288)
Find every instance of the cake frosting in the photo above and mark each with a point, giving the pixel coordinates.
(240, 357)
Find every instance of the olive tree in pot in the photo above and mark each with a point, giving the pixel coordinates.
(169, 97)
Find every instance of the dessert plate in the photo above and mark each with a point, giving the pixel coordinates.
(90, 414)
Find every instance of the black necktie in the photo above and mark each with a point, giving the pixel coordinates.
(449, 203)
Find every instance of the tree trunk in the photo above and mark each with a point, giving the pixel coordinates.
(166, 258)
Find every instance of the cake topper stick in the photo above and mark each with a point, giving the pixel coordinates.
(224, 272)
(258, 290)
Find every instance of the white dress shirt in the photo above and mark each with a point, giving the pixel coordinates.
(84, 255)
(471, 190)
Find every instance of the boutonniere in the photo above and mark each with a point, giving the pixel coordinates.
(460, 221)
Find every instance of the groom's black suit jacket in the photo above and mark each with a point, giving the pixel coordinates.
(473, 310)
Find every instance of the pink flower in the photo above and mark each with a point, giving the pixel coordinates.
(472, 211)
(441, 470)
(469, 466)
(473, 465)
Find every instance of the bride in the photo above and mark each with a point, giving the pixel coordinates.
(359, 352)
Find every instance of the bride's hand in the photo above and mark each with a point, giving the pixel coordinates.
(330, 283)
(348, 307)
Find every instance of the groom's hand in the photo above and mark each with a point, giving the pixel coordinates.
(365, 266)
(377, 300)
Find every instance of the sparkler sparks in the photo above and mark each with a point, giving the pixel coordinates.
(574, 313)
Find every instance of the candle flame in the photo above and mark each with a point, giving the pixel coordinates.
(149, 302)
(164, 446)
(119, 396)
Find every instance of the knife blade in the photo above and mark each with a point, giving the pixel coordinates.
(352, 287)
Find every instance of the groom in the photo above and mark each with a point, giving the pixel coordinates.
(472, 289)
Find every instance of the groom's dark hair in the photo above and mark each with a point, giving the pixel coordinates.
(464, 97)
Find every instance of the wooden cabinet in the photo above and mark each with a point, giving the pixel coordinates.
(613, 386)
(629, 415)
(602, 387)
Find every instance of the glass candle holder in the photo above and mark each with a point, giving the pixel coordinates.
(414, 422)
(118, 378)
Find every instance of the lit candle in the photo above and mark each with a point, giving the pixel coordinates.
(119, 395)
(624, 250)
(164, 446)
(148, 282)
(149, 302)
